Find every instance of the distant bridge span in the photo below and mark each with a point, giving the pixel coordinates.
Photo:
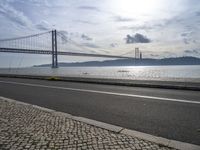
(28, 44)
(49, 52)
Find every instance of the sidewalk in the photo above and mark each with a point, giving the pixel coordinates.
(24, 126)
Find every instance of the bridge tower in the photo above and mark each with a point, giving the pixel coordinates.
(54, 50)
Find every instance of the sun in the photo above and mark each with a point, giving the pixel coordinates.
(135, 7)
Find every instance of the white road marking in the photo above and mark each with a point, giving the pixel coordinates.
(103, 92)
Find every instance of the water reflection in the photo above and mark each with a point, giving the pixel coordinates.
(129, 72)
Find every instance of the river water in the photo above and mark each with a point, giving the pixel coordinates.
(184, 72)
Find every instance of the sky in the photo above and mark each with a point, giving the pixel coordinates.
(160, 28)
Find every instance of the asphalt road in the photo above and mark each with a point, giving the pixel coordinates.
(173, 114)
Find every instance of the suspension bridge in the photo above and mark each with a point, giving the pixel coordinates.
(52, 43)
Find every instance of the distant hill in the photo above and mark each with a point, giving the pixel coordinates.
(133, 62)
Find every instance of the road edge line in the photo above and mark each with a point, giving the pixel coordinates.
(117, 129)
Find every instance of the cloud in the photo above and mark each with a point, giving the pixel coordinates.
(89, 8)
(85, 37)
(185, 34)
(189, 40)
(198, 13)
(45, 3)
(138, 27)
(153, 24)
(91, 45)
(63, 32)
(187, 37)
(64, 36)
(85, 22)
(75, 37)
(137, 38)
(122, 19)
(43, 25)
(186, 41)
(144, 26)
(14, 15)
(194, 51)
(113, 45)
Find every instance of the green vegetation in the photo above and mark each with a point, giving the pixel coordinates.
(53, 78)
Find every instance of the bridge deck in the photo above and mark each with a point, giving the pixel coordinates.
(49, 52)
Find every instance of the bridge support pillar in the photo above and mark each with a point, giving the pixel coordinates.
(54, 50)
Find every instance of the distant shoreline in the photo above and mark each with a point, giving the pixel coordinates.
(132, 62)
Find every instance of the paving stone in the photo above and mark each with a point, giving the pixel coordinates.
(27, 127)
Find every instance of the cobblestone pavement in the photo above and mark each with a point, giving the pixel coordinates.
(27, 127)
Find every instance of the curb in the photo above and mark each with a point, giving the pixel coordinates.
(117, 129)
(160, 140)
(99, 124)
(133, 83)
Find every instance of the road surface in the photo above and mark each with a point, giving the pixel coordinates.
(173, 114)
